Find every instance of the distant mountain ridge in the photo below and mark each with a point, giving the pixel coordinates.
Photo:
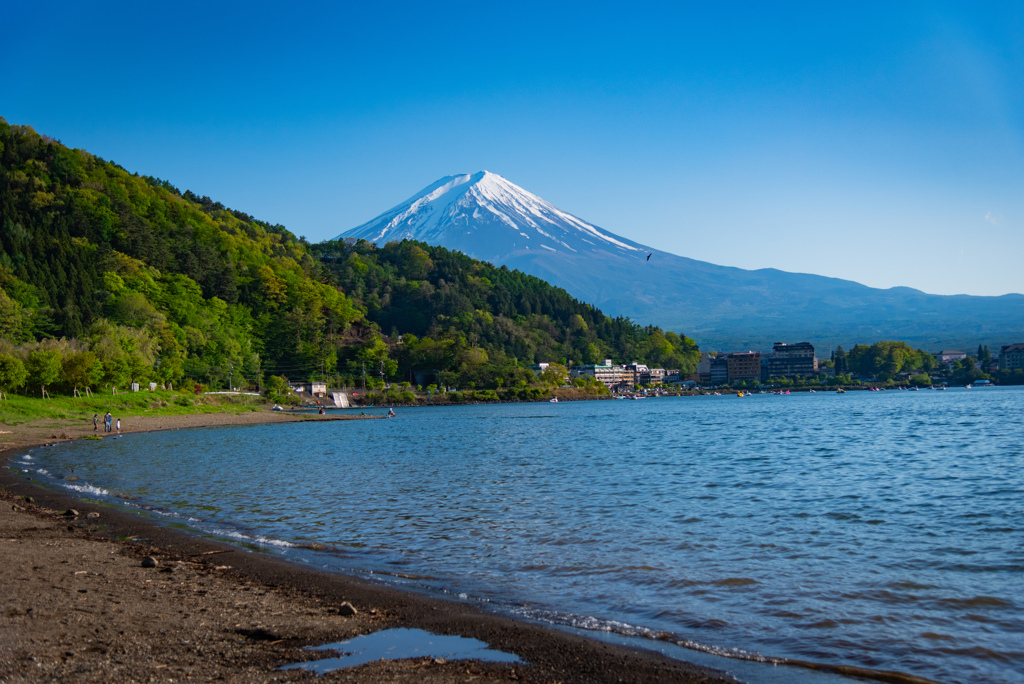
(491, 218)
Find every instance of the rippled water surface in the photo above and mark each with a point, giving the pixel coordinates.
(882, 530)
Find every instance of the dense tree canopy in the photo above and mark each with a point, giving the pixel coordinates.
(886, 359)
(114, 277)
(479, 322)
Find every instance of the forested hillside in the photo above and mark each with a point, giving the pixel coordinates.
(480, 322)
(108, 277)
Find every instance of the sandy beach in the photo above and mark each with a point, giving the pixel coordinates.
(79, 604)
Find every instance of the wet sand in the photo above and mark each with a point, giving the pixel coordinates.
(79, 605)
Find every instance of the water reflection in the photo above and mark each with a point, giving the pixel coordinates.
(395, 644)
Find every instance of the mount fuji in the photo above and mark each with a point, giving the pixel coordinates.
(490, 218)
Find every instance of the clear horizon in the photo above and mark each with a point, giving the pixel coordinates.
(882, 146)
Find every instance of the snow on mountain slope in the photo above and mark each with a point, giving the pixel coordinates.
(490, 216)
(487, 217)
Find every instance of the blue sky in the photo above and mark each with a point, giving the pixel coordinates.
(879, 142)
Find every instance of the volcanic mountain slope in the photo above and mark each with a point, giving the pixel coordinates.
(490, 218)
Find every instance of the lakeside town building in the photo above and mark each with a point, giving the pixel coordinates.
(1011, 356)
(792, 360)
(947, 357)
(785, 361)
(607, 373)
(743, 366)
(704, 368)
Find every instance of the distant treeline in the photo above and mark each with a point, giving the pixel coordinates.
(886, 360)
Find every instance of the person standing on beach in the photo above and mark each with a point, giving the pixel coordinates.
(95, 423)
(119, 425)
(106, 422)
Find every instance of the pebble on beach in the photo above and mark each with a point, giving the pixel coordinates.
(71, 513)
(149, 562)
(347, 608)
(93, 514)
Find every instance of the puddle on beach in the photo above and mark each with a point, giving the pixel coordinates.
(395, 644)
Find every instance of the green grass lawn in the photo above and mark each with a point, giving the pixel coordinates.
(18, 409)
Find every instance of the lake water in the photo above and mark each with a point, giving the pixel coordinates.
(882, 530)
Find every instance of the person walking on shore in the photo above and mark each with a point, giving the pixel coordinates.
(119, 426)
(106, 422)
(95, 423)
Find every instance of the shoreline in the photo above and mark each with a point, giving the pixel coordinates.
(163, 634)
(548, 654)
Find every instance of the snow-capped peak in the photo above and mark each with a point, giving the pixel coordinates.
(484, 215)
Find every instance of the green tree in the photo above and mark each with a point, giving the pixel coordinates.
(170, 363)
(374, 354)
(81, 369)
(12, 373)
(842, 361)
(984, 358)
(554, 374)
(44, 367)
(276, 386)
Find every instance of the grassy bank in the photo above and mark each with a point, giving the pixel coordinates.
(18, 410)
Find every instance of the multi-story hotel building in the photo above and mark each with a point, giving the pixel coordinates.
(1011, 356)
(792, 360)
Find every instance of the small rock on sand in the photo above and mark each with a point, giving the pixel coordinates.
(149, 562)
(71, 513)
(94, 514)
(347, 608)
(16, 508)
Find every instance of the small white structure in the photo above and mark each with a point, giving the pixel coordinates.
(946, 356)
(340, 400)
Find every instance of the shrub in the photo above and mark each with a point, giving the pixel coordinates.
(277, 385)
